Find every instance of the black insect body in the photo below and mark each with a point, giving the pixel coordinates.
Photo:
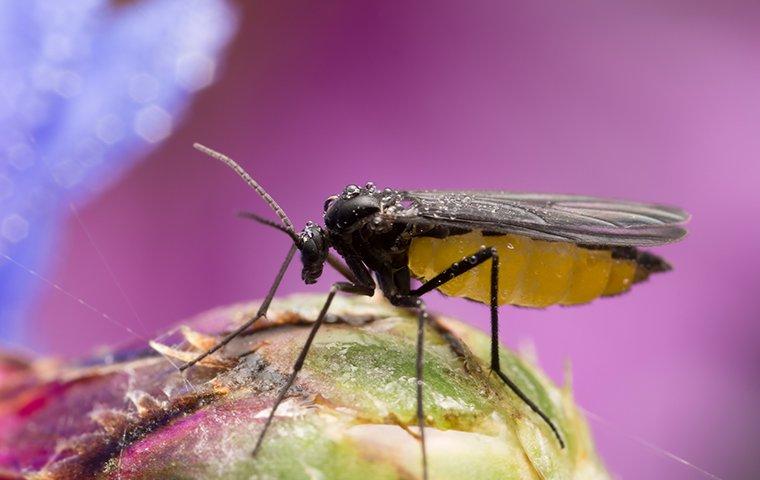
(542, 250)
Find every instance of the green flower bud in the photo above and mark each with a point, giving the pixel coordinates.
(351, 413)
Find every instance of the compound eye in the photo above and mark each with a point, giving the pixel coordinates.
(330, 201)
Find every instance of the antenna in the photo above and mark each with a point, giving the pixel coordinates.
(269, 223)
(251, 182)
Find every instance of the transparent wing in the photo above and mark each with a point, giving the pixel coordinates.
(585, 220)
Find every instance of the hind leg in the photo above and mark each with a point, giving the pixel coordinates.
(457, 269)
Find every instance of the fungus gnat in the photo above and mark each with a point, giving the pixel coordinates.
(544, 249)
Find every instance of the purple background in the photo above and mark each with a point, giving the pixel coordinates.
(655, 101)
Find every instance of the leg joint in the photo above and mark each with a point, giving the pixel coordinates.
(458, 268)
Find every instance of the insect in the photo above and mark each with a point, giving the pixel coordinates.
(496, 248)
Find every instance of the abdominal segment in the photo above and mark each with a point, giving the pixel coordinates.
(532, 273)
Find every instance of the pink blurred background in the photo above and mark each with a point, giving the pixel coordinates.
(654, 101)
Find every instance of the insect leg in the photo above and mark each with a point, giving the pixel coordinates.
(422, 316)
(262, 312)
(458, 268)
(341, 268)
(416, 303)
(337, 287)
(495, 365)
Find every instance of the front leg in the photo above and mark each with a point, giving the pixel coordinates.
(263, 308)
(337, 287)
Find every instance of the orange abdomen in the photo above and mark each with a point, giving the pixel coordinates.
(532, 273)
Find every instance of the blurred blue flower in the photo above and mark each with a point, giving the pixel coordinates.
(86, 88)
